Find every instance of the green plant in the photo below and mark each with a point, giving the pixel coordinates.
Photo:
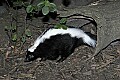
(16, 36)
(61, 24)
(19, 37)
(44, 6)
(11, 32)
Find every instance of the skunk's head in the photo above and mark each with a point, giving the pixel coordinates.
(29, 56)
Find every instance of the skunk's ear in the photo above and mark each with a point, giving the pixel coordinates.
(91, 35)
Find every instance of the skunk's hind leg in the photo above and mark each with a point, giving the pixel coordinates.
(62, 58)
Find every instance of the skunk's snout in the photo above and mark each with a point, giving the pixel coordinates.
(29, 57)
(26, 60)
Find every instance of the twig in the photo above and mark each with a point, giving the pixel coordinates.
(107, 63)
(91, 57)
(35, 68)
(7, 3)
(16, 32)
(49, 23)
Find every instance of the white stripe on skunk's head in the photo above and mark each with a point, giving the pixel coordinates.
(74, 32)
(32, 48)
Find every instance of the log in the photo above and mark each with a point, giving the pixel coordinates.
(107, 17)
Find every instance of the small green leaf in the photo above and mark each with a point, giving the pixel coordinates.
(28, 32)
(7, 28)
(52, 7)
(23, 38)
(64, 27)
(58, 26)
(25, 4)
(63, 20)
(17, 3)
(47, 3)
(40, 5)
(45, 10)
(35, 8)
(29, 9)
(13, 27)
(14, 37)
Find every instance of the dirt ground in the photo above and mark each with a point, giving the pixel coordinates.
(104, 66)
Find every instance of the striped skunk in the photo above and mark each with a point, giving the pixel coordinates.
(54, 43)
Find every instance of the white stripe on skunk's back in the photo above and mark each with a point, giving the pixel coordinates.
(74, 32)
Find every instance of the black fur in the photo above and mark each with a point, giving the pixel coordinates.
(51, 49)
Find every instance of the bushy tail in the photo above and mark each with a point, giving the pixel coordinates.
(89, 40)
